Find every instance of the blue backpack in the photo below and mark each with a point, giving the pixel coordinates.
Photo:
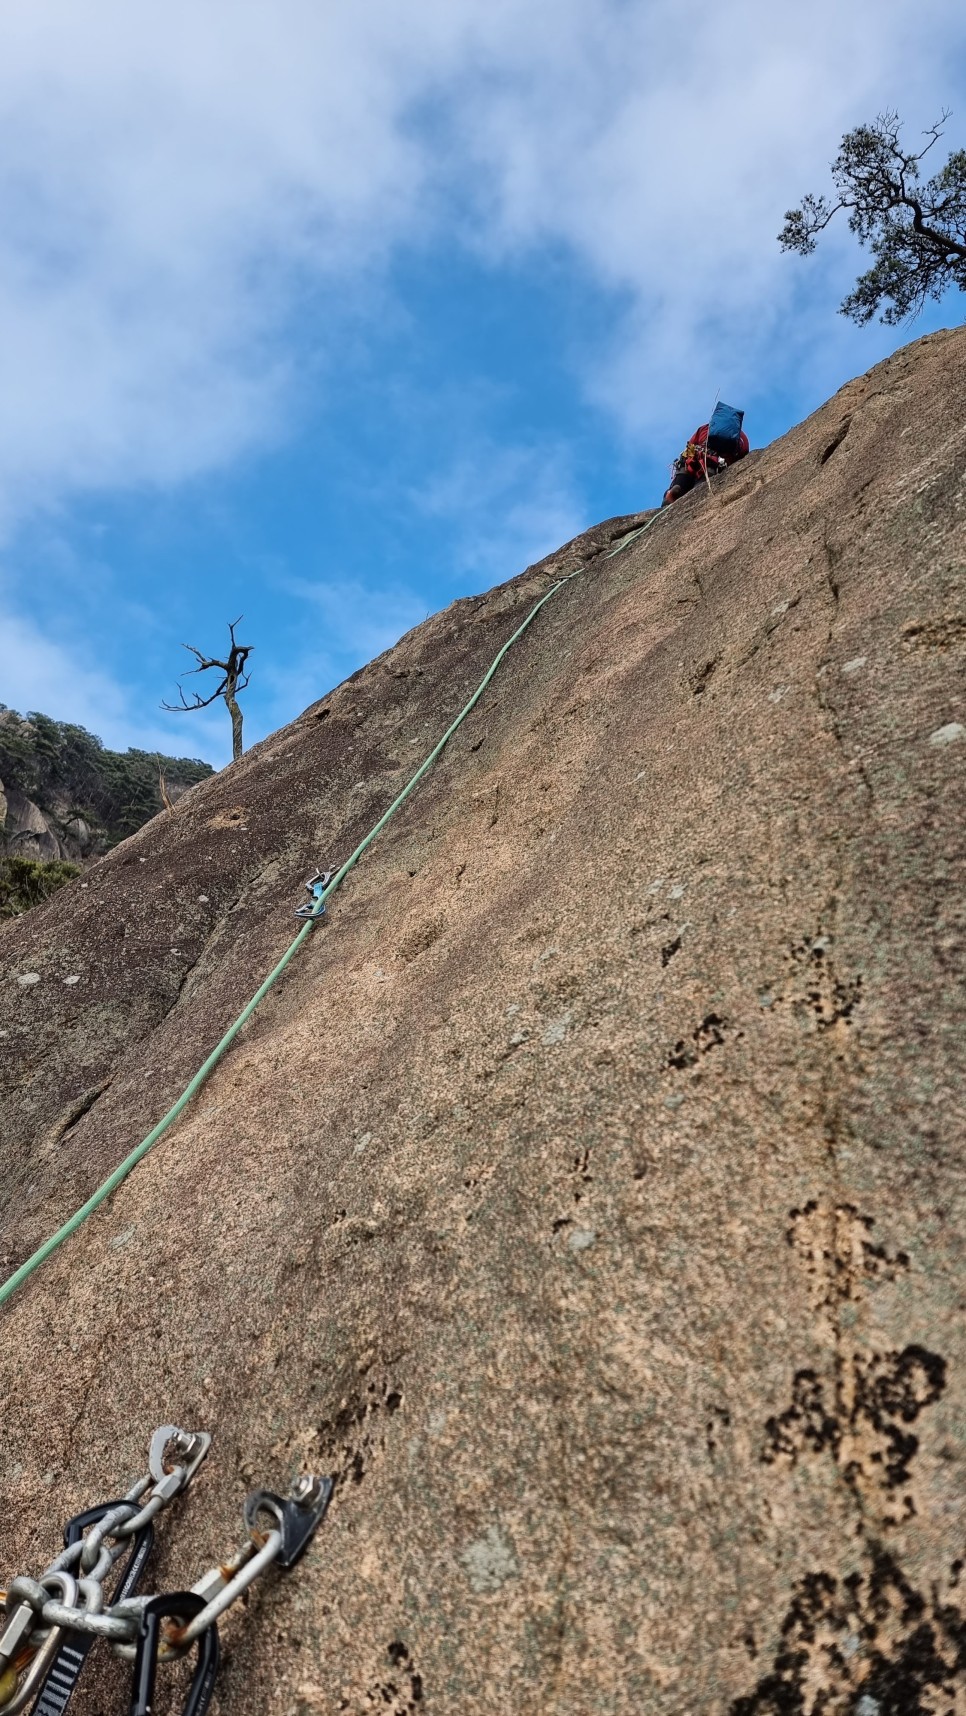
(724, 430)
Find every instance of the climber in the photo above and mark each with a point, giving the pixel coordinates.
(711, 449)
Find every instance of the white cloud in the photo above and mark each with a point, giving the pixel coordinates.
(171, 172)
(355, 619)
(347, 623)
(180, 182)
(38, 672)
(669, 174)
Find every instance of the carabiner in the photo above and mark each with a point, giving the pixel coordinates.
(73, 1652)
(185, 1605)
(316, 886)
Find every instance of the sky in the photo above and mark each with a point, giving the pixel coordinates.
(326, 312)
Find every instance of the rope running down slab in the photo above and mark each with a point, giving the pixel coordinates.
(26, 1269)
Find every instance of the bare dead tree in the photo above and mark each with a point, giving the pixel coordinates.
(234, 679)
(166, 799)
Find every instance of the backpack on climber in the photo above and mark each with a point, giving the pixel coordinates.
(712, 448)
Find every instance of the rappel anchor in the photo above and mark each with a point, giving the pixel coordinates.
(47, 1625)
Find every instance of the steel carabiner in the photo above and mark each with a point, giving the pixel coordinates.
(185, 1605)
(64, 1672)
(316, 886)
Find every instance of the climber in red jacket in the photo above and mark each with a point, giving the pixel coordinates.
(728, 442)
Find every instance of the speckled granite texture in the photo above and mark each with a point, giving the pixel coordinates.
(590, 1194)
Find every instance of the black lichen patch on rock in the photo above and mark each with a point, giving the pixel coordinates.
(861, 1417)
(869, 1644)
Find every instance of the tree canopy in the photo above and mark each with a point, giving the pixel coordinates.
(915, 227)
(56, 763)
(26, 882)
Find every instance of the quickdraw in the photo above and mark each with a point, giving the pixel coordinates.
(316, 886)
(48, 1625)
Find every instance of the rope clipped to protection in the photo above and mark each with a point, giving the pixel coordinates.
(321, 887)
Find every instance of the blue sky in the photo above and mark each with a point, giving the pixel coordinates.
(328, 313)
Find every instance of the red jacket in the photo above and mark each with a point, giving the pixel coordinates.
(700, 437)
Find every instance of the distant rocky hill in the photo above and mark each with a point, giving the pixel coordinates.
(589, 1195)
(66, 799)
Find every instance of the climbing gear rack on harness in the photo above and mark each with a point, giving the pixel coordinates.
(47, 1625)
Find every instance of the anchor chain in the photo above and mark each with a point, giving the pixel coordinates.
(48, 1624)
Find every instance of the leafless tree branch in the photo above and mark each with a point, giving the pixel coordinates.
(234, 679)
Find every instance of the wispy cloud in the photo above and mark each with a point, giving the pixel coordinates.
(344, 623)
(668, 178)
(172, 175)
(38, 672)
(505, 507)
(179, 182)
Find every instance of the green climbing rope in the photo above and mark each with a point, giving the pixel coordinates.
(121, 1172)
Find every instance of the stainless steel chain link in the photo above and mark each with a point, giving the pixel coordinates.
(70, 1595)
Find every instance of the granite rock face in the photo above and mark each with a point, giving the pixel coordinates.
(30, 832)
(589, 1196)
(64, 797)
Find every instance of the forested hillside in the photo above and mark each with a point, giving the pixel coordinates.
(65, 798)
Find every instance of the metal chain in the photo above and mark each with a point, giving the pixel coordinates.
(69, 1596)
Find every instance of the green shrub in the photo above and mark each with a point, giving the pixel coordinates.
(26, 882)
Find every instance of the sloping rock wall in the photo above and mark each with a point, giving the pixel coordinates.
(589, 1196)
